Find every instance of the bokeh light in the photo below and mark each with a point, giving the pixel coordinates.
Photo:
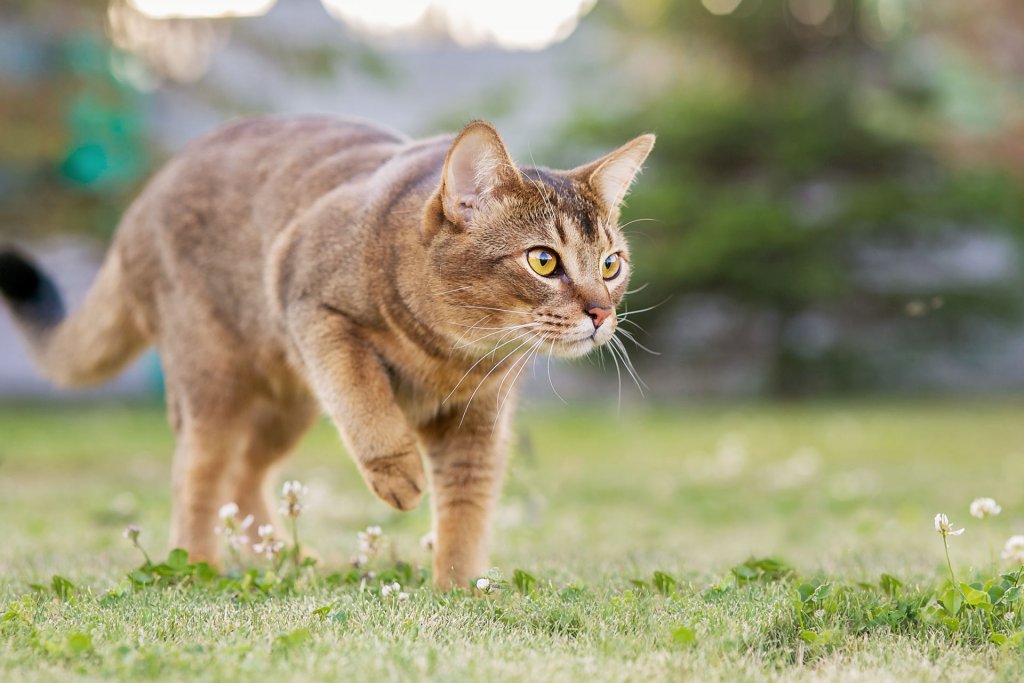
(204, 9)
(721, 7)
(380, 16)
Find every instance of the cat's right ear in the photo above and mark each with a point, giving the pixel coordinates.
(478, 167)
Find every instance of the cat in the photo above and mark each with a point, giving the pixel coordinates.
(288, 266)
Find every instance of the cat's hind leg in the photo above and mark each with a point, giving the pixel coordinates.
(209, 401)
(272, 427)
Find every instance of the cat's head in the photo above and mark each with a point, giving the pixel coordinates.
(529, 258)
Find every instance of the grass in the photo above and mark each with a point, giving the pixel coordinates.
(639, 529)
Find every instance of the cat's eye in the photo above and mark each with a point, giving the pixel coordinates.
(543, 261)
(610, 266)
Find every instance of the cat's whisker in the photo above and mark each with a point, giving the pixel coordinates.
(523, 361)
(495, 367)
(618, 374)
(626, 314)
(551, 383)
(615, 346)
(492, 308)
(638, 289)
(452, 291)
(629, 335)
(498, 330)
(480, 360)
(475, 327)
(638, 220)
(463, 335)
(550, 210)
(635, 324)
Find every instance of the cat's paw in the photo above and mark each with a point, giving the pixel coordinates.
(397, 479)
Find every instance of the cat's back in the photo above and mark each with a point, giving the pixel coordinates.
(204, 223)
(266, 170)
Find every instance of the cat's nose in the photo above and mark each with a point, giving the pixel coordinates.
(598, 314)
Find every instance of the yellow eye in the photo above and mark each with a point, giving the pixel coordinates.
(542, 261)
(610, 266)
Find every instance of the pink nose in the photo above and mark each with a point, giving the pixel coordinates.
(598, 314)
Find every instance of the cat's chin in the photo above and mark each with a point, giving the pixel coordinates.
(575, 348)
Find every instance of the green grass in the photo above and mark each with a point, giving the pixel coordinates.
(842, 493)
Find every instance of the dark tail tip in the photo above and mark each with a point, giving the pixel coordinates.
(31, 294)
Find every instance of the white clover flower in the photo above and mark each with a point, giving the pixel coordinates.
(228, 511)
(131, 532)
(389, 588)
(403, 596)
(427, 541)
(945, 527)
(292, 494)
(237, 541)
(231, 528)
(1013, 551)
(268, 546)
(1010, 616)
(484, 585)
(370, 543)
(985, 507)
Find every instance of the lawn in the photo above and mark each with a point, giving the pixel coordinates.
(596, 503)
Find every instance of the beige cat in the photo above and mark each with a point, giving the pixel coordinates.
(284, 266)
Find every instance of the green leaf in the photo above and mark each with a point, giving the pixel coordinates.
(523, 582)
(890, 585)
(664, 583)
(177, 560)
(808, 636)
(63, 588)
(78, 642)
(1011, 595)
(684, 635)
(322, 612)
(998, 638)
(297, 637)
(974, 596)
(204, 572)
(763, 569)
(951, 623)
(141, 577)
(952, 600)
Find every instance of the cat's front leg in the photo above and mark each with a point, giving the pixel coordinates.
(354, 388)
(467, 463)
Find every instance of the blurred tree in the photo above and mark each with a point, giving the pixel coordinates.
(794, 136)
(72, 145)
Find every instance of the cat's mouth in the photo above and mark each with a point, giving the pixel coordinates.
(574, 347)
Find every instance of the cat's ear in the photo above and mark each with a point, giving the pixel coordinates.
(476, 169)
(611, 175)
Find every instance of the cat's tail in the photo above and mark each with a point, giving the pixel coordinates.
(87, 347)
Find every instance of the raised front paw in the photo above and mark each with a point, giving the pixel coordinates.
(397, 479)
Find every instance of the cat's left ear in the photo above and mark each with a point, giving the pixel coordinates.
(613, 174)
(478, 168)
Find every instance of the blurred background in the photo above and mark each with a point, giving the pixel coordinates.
(834, 205)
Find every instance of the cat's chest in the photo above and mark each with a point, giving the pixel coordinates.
(418, 406)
